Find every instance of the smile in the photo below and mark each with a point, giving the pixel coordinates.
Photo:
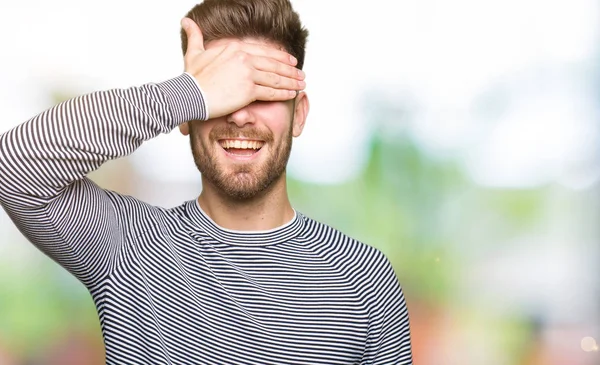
(241, 144)
(243, 148)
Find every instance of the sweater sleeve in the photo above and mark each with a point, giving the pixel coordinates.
(44, 162)
(389, 340)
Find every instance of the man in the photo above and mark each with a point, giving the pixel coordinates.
(236, 276)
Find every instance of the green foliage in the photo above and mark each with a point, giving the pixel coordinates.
(394, 206)
(43, 301)
(419, 211)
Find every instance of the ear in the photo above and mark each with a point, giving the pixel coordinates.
(301, 107)
(184, 128)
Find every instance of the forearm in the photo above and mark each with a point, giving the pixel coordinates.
(42, 156)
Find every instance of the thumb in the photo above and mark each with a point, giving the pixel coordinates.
(195, 41)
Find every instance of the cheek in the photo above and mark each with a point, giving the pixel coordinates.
(279, 124)
(200, 132)
(276, 116)
(281, 131)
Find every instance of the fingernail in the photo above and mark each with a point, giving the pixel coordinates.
(302, 84)
(184, 23)
(301, 73)
(293, 60)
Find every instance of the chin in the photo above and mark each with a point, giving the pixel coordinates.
(240, 179)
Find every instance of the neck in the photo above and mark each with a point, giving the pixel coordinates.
(269, 210)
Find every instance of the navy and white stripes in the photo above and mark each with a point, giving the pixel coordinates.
(170, 285)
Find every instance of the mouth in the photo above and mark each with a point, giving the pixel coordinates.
(241, 147)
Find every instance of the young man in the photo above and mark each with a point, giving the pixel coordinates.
(236, 276)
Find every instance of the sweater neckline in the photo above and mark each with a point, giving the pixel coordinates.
(272, 236)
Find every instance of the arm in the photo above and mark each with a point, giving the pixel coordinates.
(44, 161)
(389, 339)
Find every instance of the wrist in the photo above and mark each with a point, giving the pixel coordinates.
(185, 99)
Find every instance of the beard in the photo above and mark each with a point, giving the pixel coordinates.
(242, 181)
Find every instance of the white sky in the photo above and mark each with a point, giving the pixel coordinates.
(443, 54)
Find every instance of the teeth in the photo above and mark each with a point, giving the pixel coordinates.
(254, 145)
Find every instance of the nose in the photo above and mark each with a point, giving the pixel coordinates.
(241, 117)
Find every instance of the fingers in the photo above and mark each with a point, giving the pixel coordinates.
(264, 93)
(275, 81)
(276, 75)
(264, 51)
(194, 35)
(276, 67)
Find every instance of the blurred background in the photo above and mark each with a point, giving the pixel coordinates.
(462, 138)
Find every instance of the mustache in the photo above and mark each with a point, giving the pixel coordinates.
(230, 132)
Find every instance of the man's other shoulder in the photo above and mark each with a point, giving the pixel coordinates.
(337, 245)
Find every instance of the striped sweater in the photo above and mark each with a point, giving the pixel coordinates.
(170, 285)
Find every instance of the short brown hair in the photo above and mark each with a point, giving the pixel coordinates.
(269, 20)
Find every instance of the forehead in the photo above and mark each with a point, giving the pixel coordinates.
(225, 41)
